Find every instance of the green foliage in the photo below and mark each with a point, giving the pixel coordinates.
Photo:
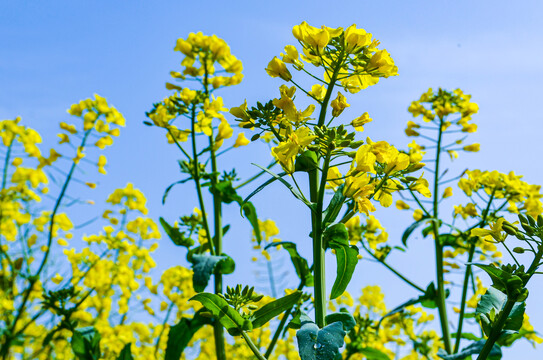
(337, 238)
(229, 318)
(344, 317)
(300, 264)
(491, 305)
(177, 237)
(274, 308)
(126, 354)
(86, 344)
(319, 344)
(333, 209)
(204, 265)
(181, 334)
(473, 349)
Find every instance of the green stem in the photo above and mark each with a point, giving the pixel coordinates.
(6, 164)
(218, 329)
(441, 305)
(319, 247)
(252, 346)
(196, 165)
(318, 252)
(464, 297)
(324, 104)
(467, 277)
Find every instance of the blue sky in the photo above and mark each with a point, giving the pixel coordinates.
(55, 53)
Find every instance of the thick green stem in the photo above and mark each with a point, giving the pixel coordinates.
(441, 305)
(318, 251)
(217, 212)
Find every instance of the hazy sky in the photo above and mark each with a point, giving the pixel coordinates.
(54, 53)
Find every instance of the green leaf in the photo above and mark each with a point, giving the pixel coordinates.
(346, 319)
(249, 211)
(373, 354)
(491, 304)
(300, 264)
(347, 258)
(447, 239)
(319, 344)
(337, 237)
(261, 187)
(86, 344)
(204, 265)
(126, 354)
(274, 308)
(225, 191)
(473, 349)
(333, 209)
(175, 235)
(181, 334)
(410, 230)
(467, 336)
(294, 192)
(498, 276)
(167, 191)
(295, 322)
(227, 316)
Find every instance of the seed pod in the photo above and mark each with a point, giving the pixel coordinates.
(531, 220)
(520, 236)
(518, 250)
(508, 228)
(529, 230)
(522, 218)
(539, 220)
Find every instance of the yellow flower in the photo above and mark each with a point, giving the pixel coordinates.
(241, 140)
(57, 279)
(277, 68)
(286, 151)
(401, 205)
(318, 91)
(360, 121)
(356, 38)
(292, 57)
(495, 231)
(418, 214)
(338, 104)
(313, 37)
(448, 192)
(472, 148)
(382, 63)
